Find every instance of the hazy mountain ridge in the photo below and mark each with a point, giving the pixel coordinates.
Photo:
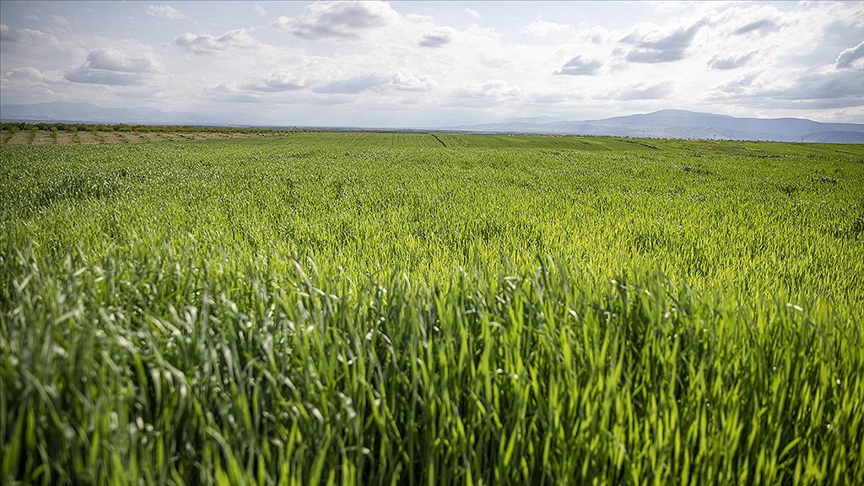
(688, 124)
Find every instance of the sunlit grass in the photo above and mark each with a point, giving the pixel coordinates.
(403, 308)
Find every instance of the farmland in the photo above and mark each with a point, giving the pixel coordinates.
(407, 308)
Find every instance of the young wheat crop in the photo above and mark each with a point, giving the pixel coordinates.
(405, 309)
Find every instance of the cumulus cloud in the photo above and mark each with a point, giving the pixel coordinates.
(111, 67)
(473, 13)
(275, 83)
(208, 44)
(643, 92)
(337, 20)
(733, 62)
(165, 11)
(260, 10)
(580, 66)
(657, 48)
(761, 27)
(436, 39)
(542, 28)
(353, 85)
(849, 56)
(108, 59)
(404, 82)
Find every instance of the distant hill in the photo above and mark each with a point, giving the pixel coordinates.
(78, 112)
(688, 124)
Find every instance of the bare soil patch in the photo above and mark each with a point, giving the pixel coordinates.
(33, 135)
(88, 138)
(66, 138)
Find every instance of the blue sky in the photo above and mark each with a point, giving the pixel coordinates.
(410, 64)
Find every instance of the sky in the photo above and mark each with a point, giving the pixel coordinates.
(426, 64)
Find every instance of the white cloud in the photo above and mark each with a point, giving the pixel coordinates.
(337, 20)
(165, 11)
(260, 10)
(25, 73)
(208, 44)
(32, 75)
(405, 82)
(111, 67)
(850, 56)
(473, 13)
(112, 60)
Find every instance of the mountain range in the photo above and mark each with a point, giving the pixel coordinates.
(659, 124)
(687, 124)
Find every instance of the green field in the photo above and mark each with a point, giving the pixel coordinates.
(398, 308)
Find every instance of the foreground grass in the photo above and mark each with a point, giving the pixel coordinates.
(400, 308)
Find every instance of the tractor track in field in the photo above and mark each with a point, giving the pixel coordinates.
(439, 140)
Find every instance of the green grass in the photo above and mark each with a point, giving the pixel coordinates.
(421, 309)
